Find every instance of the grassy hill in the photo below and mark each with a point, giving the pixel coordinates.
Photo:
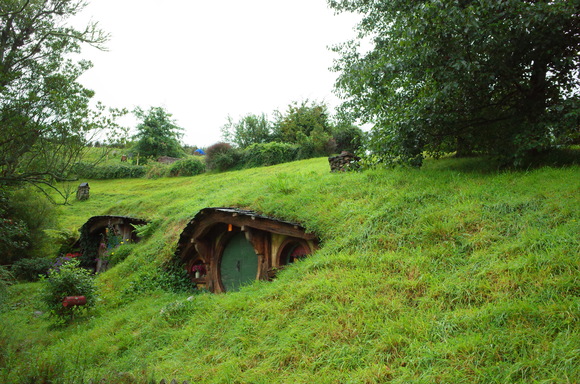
(454, 273)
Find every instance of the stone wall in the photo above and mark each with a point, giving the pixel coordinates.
(346, 161)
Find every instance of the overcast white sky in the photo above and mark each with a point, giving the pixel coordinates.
(205, 60)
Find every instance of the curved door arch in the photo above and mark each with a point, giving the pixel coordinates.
(239, 263)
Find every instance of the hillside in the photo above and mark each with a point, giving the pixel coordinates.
(453, 273)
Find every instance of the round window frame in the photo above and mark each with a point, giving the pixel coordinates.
(284, 245)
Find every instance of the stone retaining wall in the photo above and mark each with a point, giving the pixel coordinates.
(346, 161)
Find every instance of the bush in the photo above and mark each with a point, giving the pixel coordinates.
(15, 238)
(25, 216)
(156, 170)
(6, 279)
(170, 277)
(68, 280)
(222, 157)
(257, 155)
(187, 167)
(82, 169)
(120, 253)
(63, 240)
(226, 161)
(306, 151)
(106, 172)
(31, 269)
(317, 144)
(145, 231)
(348, 138)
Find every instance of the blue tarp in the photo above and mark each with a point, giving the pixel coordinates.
(199, 152)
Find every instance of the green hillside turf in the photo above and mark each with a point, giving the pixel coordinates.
(454, 273)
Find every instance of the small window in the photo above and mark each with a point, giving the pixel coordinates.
(292, 252)
(198, 269)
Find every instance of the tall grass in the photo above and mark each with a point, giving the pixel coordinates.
(455, 273)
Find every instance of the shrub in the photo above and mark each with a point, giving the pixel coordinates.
(348, 138)
(120, 253)
(6, 279)
(317, 144)
(82, 169)
(187, 167)
(145, 231)
(168, 277)
(64, 241)
(31, 269)
(106, 172)
(25, 216)
(222, 157)
(257, 155)
(306, 150)
(68, 280)
(226, 161)
(15, 238)
(156, 170)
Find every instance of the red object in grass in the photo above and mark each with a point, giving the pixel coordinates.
(71, 301)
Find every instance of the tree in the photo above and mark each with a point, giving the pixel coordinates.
(308, 125)
(158, 134)
(222, 157)
(346, 134)
(250, 129)
(45, 114)
(495, 77)
(302, 118)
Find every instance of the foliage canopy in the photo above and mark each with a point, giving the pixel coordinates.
(302, 120)
(45, 114)
(221, 157)
(307, 124)
(495, 77)
(250, 129)
(306, 129)
(187, 167)
(25, 217)
(158, 134)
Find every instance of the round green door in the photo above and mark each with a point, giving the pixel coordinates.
(239, 264)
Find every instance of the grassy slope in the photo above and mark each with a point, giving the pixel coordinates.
(444, 274)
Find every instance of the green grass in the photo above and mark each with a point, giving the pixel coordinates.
(104, 155)
(454, 273)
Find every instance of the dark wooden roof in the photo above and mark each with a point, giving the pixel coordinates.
(208, 217)
(97, 222)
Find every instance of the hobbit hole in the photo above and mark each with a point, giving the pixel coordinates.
(225, 248)
(101, 235)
